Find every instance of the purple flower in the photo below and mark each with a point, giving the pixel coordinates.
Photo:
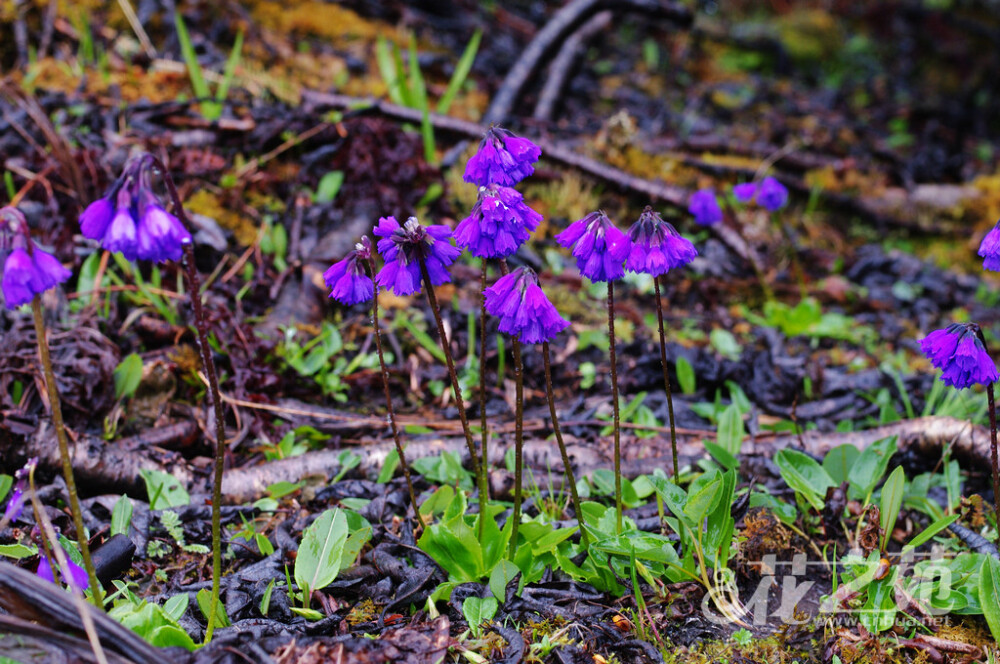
(745, 192)
(404, 247)
(772, 195)
(989, 250)
(502, 159)
(347, 279)
(26, 275)
(959, 351)
(75, 573)
(500, 222)
(704, 207)
(136, 226)
(523, 309)
(598, 246)
(15, 504)
(656, 246)
(160, 235)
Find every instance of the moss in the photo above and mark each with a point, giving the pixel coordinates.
(208, 204)
(768, 650)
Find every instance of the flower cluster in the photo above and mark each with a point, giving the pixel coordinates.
(656, 246)
(770, 194)
(28, 272)
(15, 503)
(135, 224)
(522, 307)
(502, 159)
(348, 279)
(405, 248)
(989, 249)
(705, 208)
(500, 222)
(958, 350)
(597, 245)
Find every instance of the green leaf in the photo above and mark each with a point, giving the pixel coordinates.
(222, 91)
(308, 614)
(121, 517)
(265, 600)
(283, 488)
(462, 70)
(321, 551)
(503, 573)
(989, 593)
(870, 467)
(721, 455)
(930, 531)
(329, 186)
(388, 71)
(191, 59)
(164, 490)
(478, 610)
(731, 431)
(838, 462)
(804, 476)
(703, 496)
(204, 601)
(176, 606)
(17, 551)
(388, 467)
(724, 343)
(128, 375)
(892, 502)
(685, 375)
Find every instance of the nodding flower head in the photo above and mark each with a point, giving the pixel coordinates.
(989, 250)
(959, 351)
(135, 224)
(502, 158)
(705, 208)
(28, 272)
(75, 575)
(348, 279)
(405, 247)
(772, 195)
(15, 503)
(656, 246)
(524, 311)
(598, 246)
(500, 222)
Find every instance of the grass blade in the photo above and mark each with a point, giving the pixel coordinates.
(461, 73)
(191, 59)
(227, 75)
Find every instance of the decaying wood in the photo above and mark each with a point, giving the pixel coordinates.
(102, 465)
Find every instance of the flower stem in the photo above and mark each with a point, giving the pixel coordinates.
(201, 327)
(483, 424)
(614, 403)
(550, 392)
(57, 423)
(388, 399)
(666, 373)
(456, 388)
(518, 433)
(993, 448)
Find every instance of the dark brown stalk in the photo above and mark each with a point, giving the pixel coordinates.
(201, 326)
(518, 432)
(666, 373)
(614, 403)
(67, 464)
(483, 424)
(388, 399)
(456, 388)
(570, 479)
(993, 450)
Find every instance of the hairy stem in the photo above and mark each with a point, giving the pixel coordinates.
(67, 464)
(614, 404)
(456, 388)
(201, 327)
(570, 479)
(666, 373)
(993, 450)
(483, 424)
(388, 399)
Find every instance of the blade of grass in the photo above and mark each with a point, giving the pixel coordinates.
(198, 82)
(227, 75)
(423, 339)
(388, 70)
(461, 73)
